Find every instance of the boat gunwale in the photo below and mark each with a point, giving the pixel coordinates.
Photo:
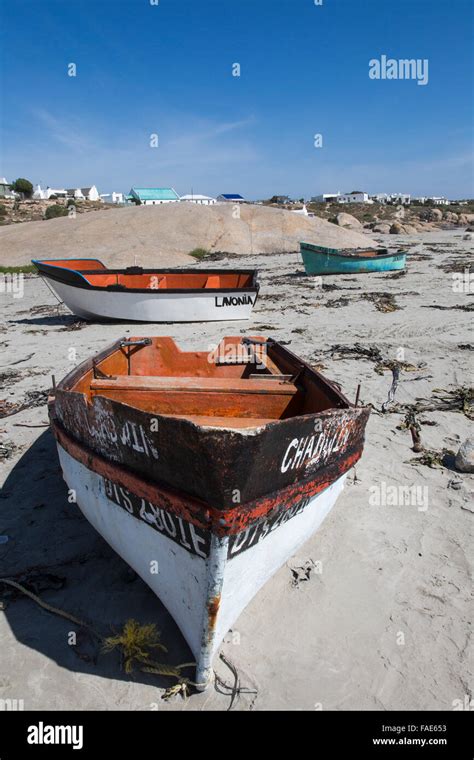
(59, 274)
(72, 379)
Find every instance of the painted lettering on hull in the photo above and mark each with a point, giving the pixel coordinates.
(189, 536)
(316, 448)
(256, 533)
(192, 538)
(222, 301)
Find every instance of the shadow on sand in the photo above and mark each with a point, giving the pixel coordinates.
(52, 320)
(55, 552)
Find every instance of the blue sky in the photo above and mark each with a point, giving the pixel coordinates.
(166, 69)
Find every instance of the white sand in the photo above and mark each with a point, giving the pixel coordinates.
(386, 624)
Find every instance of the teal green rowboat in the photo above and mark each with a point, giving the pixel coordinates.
(320, 260)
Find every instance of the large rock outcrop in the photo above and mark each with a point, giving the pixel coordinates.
(164, 235)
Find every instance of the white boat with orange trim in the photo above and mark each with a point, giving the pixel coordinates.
(94, 292)
(214, 466)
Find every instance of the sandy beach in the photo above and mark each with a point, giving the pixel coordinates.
(372, 613)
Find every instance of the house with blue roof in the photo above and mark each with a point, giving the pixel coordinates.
(230, 198)
(153, 196)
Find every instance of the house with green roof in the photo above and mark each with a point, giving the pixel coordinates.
(152, 196)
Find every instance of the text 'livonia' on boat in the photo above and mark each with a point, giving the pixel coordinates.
(219, 464)
(318, 259)
(93, 292)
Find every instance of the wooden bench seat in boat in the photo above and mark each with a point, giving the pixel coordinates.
(268, 398)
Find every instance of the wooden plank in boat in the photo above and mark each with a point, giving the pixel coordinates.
(138, 383)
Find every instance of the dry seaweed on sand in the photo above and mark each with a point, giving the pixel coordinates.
(75, 323)
(32, 399)
(135, 642)
(392, 364)
(357, 351)
(9, 377)
(330, 287)
(336, 303)
(457, 263)
(44, 310)
(458, 307)
(456, 399)
(384, 302)
(434, 459)
(7, 449)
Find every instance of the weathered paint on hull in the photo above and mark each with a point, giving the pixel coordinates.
(204, 580)
(219, 462)
(321, 262)
(155, 306)
(217, 489)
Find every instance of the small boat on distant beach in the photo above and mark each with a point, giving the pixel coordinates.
(94, 292)
(214, 465)
(320, 260)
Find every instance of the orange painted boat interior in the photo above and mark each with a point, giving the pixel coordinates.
(158, 281)
(76, 264)
(102, 277)
(235, 385)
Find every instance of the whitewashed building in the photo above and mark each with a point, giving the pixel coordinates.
(90, 193)
(76, 193)
(201, 200)
(356, 196)
(153, 196)
(230, 198)
(113, 197)
(399, 199)
(439, 200)
(38, 193)
(55, 192)
(326, 198)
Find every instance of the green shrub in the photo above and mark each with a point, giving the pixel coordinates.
(24, 186)
(26, 269)
(54, 211)
(199, 253)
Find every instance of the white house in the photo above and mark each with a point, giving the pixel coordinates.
(153, 196)
(89, 193)
(402, 199)
(326, 198)
(112, 197)
(356, 196)
(38, 193)
(398, 199)
(201, 200)
(57, 192)
(230, 198)
(5, 191)
(381, 198)
(439, 201)
(76, 193)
